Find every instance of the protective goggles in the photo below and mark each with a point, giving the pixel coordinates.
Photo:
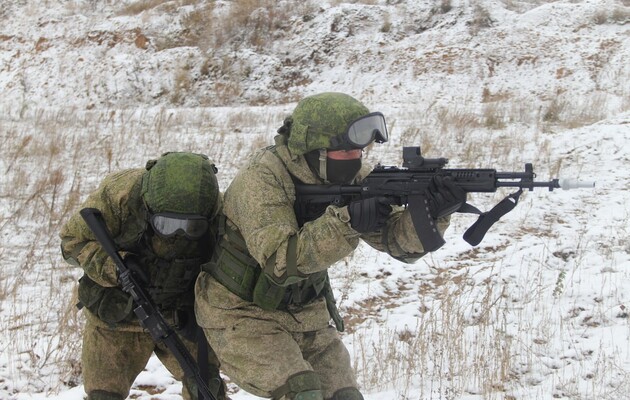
(168, 224)
(361, 132)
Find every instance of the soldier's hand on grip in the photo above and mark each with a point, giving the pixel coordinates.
(444, 196)
(369, 215)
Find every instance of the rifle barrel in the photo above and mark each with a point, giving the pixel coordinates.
(567, 184)
(564, 184)
(553, 184)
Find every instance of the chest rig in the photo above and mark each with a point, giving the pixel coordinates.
(233, 266)
(238, 271)
(170, 279)
(171, 287)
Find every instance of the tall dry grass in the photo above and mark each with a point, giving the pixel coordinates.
(52, 159)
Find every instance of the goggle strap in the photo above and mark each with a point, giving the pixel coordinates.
(335, 142)
(322, 164)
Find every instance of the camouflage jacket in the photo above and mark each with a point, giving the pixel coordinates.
(119, 199)
(259, 204)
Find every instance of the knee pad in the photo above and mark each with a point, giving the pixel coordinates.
(349, 393)
(301, 386)
(103, 395)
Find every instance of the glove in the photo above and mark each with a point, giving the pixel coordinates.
(369, 215)
(444, 196)
(132, 262)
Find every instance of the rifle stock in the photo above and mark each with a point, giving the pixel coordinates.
(146, 311)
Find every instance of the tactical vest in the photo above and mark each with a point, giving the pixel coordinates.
(171, 284)
(171, 288)
(233, 266)
(240, 273)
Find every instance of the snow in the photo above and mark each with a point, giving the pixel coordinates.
(538, 310)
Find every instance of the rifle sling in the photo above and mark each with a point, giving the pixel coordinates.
(426, 229)
(477, 231)
(202, 359)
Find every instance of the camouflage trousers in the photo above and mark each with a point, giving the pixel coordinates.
(260, 355)
(112, 359)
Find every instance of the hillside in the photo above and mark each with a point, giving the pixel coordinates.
(92, 55)
(538, 310)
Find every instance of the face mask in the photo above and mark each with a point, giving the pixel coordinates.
(342, 171)
(177, 246)
(339, 169)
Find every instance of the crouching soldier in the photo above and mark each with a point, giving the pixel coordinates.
(163, 220)
(266, 301)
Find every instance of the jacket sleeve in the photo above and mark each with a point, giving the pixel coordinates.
(79, 246)
(399, 238)
(260, 201)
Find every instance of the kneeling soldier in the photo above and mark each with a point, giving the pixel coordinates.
(163, 221)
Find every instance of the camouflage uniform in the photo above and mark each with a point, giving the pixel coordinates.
(115, 346)
(279, 352)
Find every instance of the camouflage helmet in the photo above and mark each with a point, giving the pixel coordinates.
(316, 119)
(182, 183)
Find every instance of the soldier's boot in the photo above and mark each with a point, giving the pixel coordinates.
(301, 386)
(349, 393)
(216, 385)
(218, 388)
(309, 395)
(103, 395)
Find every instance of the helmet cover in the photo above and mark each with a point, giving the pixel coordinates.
(182, 183)
(318, 118)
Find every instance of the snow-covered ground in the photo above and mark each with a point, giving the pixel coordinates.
(538, 310)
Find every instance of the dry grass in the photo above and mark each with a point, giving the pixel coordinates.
(570, 112)
(494, 116)
(181, 84)
(612, 14)
(138, 7)
(481, 19)
(88, 145)
(554, 110)
(252, 23)
(52, 160)
(458, 120)
(438, 349)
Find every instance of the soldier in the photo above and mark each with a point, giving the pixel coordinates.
(163, 220)
(265, 301)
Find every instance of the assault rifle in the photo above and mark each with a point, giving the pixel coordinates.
(406, 187)
(144, 308)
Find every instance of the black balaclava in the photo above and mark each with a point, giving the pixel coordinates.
(337, 171)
